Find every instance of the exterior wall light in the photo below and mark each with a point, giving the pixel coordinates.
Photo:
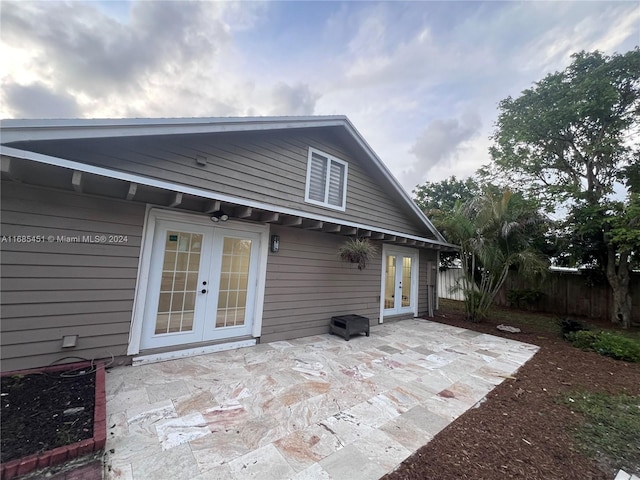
(275, 243)
(219, 216)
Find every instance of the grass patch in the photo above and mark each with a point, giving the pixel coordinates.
(610, 428)
(529, 320)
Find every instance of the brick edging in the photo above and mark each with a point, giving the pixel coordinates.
(22, 466)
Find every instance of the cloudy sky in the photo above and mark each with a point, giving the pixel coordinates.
(420, 80)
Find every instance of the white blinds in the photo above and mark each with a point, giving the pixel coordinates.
(318, 178)
(336, 183)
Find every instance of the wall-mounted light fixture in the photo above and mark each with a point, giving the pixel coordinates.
(219, 216)
(275, 243)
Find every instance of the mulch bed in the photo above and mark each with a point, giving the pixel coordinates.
(42, 411)
(523, 429)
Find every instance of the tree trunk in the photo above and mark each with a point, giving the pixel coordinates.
(618, 279)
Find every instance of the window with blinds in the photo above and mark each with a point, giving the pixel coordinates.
(326, 180)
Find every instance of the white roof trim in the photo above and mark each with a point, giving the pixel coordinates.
(34, 130)
(176, 187)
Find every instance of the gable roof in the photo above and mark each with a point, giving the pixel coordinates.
(59, 129)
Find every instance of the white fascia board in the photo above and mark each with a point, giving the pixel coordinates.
(389, 176)
(176, 187)
(34, 130)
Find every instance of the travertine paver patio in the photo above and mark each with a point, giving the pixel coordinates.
(313, 408)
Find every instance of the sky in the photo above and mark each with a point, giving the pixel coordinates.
(420, 80)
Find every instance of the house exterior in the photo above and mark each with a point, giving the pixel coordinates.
(146, 239)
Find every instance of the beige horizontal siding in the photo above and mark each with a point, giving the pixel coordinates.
(267, 167)
(307, 284)
(54, 289)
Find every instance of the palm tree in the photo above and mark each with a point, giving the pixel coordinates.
(495, 232)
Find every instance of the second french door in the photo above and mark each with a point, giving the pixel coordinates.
(400, 281)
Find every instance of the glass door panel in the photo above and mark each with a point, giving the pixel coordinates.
(180, 269)
(406, 281)
(234, 282)
(390, 282)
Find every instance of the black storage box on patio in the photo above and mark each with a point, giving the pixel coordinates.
(347, 325)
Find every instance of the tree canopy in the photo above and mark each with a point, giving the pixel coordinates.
(570, 137)
(442, 196)
(571, 141)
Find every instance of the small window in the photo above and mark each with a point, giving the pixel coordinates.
(326, 180)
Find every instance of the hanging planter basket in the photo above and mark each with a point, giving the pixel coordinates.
(357, 250)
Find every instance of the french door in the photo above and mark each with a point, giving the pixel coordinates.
(202, 284)
(400, 281)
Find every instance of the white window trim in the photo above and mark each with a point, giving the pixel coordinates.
(330, 158)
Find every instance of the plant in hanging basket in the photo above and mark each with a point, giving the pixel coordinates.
(357, 250)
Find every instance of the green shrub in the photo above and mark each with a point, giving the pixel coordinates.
(606, 343)
(524, 298)
(569, 325)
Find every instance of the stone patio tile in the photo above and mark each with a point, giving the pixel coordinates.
(265, 463)
(221, 472)
(177, 463)
(143, 418)
(264, 430)
(425, 419)
(382, 449)
(313, 408)
(449, 408)
(117, 471)
(303, 448)
(132, 446)
(177, 431)
(217, 449)
(125, 399)
(167, 390)
(226, 416)
(314, 472)
(199, 401)
(117, 424)
(347, 427)
(349, 463)
(374, 412)
(406, 433)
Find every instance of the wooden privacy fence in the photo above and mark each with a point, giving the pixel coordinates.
(568, 293)
(447, 281)
(564, 293)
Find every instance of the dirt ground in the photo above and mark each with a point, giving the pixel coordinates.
(44, 411)
(523, 429)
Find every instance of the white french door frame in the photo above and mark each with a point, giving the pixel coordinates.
(153, 214)
(415, 276)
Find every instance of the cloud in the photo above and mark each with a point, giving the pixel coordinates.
(292, 100)
(38, 100)
(406, 73)
(77, 45)
(441, 142)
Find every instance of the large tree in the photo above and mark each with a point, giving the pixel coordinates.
(571, 141)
